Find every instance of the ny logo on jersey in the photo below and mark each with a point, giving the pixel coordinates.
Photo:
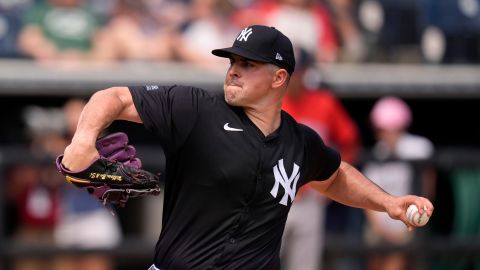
(281, 178)
(243, 36)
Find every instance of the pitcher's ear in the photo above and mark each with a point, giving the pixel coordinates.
(280, 77)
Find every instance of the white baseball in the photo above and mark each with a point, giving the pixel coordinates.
(414, 216)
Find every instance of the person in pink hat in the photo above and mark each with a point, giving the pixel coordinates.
(392, 169)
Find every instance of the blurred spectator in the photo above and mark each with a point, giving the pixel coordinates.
(11, 15)
(306, 22)
(450, 31)
(35, 192)
(352, 47)
(208, 27)
(103, 10)
(392, 169)
(142, 30)
(60, 30)
(84, 222)
(392, 30)
(51, 211)
(433, 31)
(319, 109)
(34, 186)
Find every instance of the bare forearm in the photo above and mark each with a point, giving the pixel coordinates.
(352, 188)
(101, 110)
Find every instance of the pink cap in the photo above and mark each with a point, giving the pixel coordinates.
(390, 113)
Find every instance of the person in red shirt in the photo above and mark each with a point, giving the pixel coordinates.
(307, 23)
(321, 110)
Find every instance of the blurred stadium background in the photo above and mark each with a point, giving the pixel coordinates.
(424, 51)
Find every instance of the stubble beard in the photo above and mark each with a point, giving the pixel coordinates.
(231, 95)
(230, 98)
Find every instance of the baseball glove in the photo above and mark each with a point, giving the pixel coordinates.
(116, 175)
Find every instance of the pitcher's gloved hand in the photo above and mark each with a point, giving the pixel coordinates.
(116, 175)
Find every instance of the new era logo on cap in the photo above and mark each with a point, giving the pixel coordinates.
(264, 44)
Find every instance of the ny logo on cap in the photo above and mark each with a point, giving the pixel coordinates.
(243, 36)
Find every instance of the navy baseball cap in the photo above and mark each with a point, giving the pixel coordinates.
(264, 44)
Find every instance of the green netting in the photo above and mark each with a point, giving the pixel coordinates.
(466, 191)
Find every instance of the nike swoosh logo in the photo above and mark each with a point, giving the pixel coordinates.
(227, 128)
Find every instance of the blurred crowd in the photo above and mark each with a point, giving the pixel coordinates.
(44, 209)
(420, 31)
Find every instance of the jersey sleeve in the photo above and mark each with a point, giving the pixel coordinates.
(322, 160)
(169, 111)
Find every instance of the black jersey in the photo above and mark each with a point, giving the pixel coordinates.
(228, 188)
